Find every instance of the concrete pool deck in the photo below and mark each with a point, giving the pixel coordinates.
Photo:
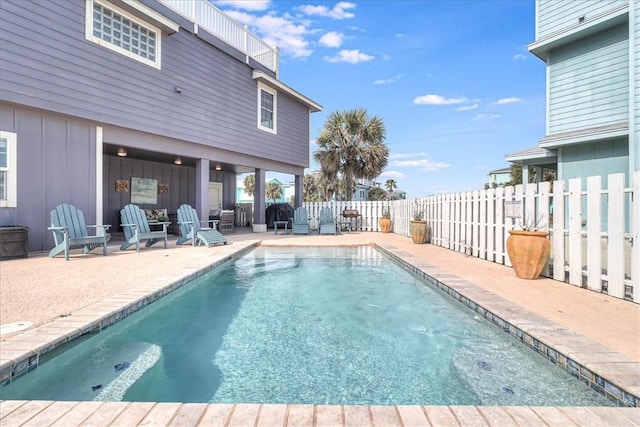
(64, 299)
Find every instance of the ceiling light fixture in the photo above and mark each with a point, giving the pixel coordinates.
(218, 167)
(178, 161)
(122, 152)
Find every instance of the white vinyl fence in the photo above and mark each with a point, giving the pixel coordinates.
(593, 224)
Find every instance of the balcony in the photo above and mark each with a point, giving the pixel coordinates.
(207, 17)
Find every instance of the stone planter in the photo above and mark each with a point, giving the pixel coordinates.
(385, 225)
(13, 242)
(418, 231)
(529, 252)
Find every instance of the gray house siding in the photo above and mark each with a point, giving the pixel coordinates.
(52, 66)
(56, 164)
(588, 82)
(556, 15)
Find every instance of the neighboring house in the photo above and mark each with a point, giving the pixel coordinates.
(499, 177)
(362, 188)
(94, 93)
(592, 55)
(397, 195)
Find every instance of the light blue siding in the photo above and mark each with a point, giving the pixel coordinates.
(588, 83)
(597, 158)
(558, 15)
(636, 100)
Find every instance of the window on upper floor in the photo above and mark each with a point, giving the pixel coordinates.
(267, 108)
(8, 170)
(118, 30)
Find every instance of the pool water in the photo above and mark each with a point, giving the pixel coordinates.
(305, 325)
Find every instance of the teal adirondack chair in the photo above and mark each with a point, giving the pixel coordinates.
(300, 224)
(191, 229)
(327, 222)
(70, 230)
(136, 227)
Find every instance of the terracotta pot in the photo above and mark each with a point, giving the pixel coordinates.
(529, 252)
(385, 224)
(418, 231)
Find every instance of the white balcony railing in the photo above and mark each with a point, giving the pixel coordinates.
(211, 19)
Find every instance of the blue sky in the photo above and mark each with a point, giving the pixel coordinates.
(451, 79)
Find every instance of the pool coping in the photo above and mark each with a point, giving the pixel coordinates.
(606, 371)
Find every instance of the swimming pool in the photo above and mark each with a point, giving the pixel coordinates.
(311, 325)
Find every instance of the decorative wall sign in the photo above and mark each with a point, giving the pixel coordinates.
(163, 188)
(144, 191)
(512, 209)
(122, 186)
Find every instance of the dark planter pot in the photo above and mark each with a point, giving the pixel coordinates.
(418, 231)
(13, 242)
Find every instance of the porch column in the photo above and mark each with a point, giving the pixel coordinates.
(202, 188)
(299, 191)
(525, 174)
(259, 215)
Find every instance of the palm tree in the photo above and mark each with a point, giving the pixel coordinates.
(391, 185)
(376, 193)
(250, 184)
(310, 189)
(273, 191)
(351, 144)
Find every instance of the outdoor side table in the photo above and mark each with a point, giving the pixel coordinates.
(277, 223)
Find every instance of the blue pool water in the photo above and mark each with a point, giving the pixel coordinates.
(304, 325)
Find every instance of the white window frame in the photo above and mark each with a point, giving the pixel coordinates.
(274, 93)
(12, 170)
(151, 28)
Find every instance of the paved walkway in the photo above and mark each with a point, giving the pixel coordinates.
(41, 290)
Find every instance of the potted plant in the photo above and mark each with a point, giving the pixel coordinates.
(385, 220)
(528, 249)
(418, 226)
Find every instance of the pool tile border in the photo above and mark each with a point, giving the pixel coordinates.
(536, 332)
(21, 353)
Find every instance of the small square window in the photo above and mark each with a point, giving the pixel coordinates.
(115, 29)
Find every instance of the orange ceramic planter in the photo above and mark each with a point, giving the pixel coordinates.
(418, 231)
(385, 225)
(529, 252)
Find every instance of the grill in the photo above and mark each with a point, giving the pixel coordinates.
(350, 213)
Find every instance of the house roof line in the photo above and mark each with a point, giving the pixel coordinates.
(265, 78)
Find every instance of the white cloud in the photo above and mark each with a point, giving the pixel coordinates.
(393, 175)
(433, 99)
(351, 56)
(386, 57)
(339, 11)
(486, 116)
(519, 57)
(279, 31)
(467, 107)
(251, 5)
(388, 81)
(424, 164)
(405, 155)
(503, 101)
(399, 35)
(331, 39)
